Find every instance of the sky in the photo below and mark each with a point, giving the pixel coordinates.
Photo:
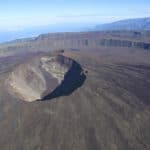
(19, 14)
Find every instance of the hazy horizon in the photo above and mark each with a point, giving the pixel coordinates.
(18, 15)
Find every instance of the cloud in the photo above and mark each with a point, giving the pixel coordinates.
(81, 15)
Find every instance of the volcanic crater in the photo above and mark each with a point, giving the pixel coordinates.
(45, 77)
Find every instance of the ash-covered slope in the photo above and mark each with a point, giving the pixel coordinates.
(41, 75)
(110, 111)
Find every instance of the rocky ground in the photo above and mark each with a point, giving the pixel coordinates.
(110, 110)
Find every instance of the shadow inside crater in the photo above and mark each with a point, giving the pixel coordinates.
(73, 79)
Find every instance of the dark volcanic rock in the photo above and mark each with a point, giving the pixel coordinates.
(110, 111)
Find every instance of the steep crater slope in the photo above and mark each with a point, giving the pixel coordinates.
(45, 77)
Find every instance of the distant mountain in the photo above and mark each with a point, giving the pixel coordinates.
(129, 24)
